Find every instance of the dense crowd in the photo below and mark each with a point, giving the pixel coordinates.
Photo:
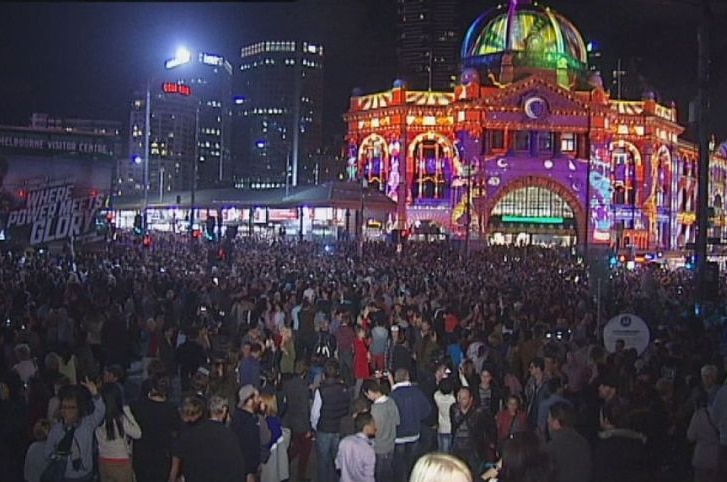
(253, 360)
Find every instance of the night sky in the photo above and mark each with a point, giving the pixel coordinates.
(85, 59)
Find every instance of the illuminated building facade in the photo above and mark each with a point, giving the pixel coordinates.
(428, 43)
(530, 147)
(278, 118)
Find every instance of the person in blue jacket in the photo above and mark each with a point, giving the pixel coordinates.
(74, 416)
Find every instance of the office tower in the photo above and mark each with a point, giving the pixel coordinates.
(172, 138)
(278, 113)
(209, 77)
(190, 118)
(428, 43)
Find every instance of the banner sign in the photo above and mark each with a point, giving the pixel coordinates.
(46, 199)
(51, 142)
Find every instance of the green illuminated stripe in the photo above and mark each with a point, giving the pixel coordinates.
(532, 220)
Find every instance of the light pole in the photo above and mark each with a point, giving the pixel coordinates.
(161, 184)
(703, 71)
(195, 169)
(360, 241)
(468, 209)
(147, 136)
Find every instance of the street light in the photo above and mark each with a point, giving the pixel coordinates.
(360, 240)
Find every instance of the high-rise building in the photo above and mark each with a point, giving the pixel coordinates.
(190, 113)
(172, 139)
(278, 119)
(428, 43)
(209, 76)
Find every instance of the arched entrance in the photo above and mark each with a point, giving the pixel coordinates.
(535, 210)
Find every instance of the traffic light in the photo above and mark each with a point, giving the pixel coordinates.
(146, 242)
(138, 229)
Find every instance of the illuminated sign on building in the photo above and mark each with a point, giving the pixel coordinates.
(174, 88)
(42, 141)
(211, 59)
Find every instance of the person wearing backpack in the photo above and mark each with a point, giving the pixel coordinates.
(70, 442)
(330, 405)
(326, 343)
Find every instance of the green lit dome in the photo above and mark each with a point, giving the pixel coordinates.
(536, 36)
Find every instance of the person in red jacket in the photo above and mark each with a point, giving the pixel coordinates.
(510, 420)
(361, 360)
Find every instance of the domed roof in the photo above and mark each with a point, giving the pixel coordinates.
(537, 36)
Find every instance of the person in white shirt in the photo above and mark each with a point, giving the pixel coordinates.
(444, 398)
(114, 438)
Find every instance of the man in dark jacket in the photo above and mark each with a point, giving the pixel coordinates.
(245, 424)
(414, 408)
(474, 435)
(620, 451)
(207, 451)
(297, 418)
(330, 404)
(569, 450)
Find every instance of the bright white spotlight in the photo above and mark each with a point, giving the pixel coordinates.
(183, 56)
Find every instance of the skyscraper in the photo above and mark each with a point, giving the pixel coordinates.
(278, 113)
(428, 43)
(187, 123)
(209, 77)
(172, 142)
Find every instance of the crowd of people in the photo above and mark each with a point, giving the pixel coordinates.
(261, 361)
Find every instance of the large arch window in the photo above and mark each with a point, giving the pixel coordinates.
(623, 172)
(533, 201)
(662, 174)
(374, 162)
(432, 171)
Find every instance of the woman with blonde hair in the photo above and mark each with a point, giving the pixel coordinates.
(438, 467)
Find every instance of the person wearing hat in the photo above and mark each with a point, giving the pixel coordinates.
(246, 425)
